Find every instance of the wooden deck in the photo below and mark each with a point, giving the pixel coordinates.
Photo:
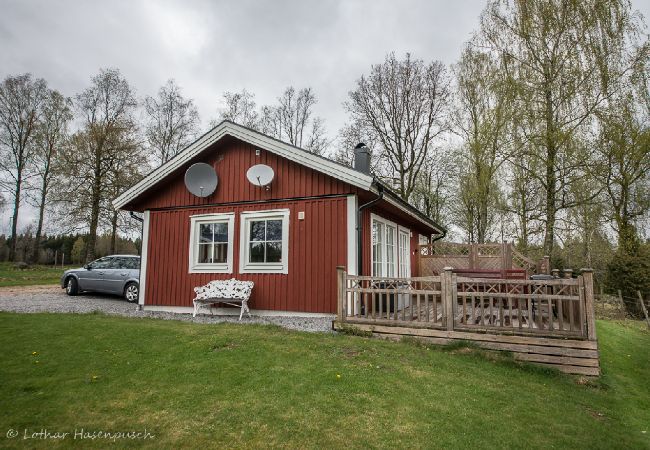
(474, 316)
(547, 322)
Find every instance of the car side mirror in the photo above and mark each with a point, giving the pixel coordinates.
(88, 267)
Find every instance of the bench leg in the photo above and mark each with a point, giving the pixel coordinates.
(196, 309)
(244, 308)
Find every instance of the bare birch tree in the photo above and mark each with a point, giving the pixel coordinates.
(21, 98)
(106, 109)
(172, 122)
(240, 108)
(402, 104)
(50, 137)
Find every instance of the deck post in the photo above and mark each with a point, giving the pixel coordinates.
(588, 278)
(446, 293)
(341, 294)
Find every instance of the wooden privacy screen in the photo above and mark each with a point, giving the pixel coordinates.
(434, 258)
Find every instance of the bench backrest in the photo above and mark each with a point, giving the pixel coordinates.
(231, 288)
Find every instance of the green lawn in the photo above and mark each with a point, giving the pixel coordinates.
(34, 275)
(216, 386)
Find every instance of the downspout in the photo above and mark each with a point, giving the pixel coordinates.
(380, 195)
(442, 235)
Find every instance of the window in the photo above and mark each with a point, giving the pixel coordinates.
(102, 263)
(390, 249)
(130, 263)
(404, 252)
(211, 242)
(384, 248)
(264, 241)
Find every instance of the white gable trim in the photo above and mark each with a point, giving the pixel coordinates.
(305, 158)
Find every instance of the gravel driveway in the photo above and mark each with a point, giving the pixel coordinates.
(36, 299)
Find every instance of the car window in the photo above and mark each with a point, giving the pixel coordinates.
(102, 263)
(118, 263)
(131, 263)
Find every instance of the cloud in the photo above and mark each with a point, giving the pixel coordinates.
(213, 46)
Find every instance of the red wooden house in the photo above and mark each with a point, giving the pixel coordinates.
(288, 237)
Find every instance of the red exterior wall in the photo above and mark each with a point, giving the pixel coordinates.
(317, 245)
(231, 159)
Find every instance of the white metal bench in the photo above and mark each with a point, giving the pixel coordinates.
(229, 292)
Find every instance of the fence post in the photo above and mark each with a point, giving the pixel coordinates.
(588, 278)
(645, 311)
(446, 292)
(341, 294)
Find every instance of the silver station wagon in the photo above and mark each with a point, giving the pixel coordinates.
(115, 274)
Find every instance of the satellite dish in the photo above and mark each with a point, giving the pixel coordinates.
(260, 175)
(201, 179)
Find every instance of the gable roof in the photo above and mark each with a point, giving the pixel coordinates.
(288, 151)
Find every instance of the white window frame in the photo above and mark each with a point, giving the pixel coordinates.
(404, 264)
(244, 240)
(376, 218)
(195, 222)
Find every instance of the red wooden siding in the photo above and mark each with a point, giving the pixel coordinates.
(231, 159)
(317, 245)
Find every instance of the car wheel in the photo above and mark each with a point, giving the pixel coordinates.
(131, 292)
(71, 286)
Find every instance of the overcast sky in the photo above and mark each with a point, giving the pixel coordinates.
(211, 46)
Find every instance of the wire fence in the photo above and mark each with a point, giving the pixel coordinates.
(620, 307)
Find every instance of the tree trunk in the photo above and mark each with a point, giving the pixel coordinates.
(39, 227)
(14, 219)
(41, 210)
(94, 211)
(114, 232)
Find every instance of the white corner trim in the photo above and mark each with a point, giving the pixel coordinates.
(352, 234)
(290, 152)
(195, 221)
(142, 282)
(245, 218)
(235, 312)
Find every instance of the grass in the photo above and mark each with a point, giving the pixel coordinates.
(228, 385)
(34, 275)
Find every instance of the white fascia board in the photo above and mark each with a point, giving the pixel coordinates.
(287, 151)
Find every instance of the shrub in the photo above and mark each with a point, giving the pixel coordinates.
(629, 274)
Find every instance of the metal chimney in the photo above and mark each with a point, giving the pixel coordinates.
(362, 158)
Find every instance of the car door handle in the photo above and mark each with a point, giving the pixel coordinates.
(123, 274)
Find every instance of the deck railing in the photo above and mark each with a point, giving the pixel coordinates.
(548, 308)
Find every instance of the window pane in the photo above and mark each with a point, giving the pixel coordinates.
(273, 230)
(103, 263)
(220, 253)
(256, 252)
(205, 232)
(257, 230)
(220, 232)
(274, 252)
(204, 253)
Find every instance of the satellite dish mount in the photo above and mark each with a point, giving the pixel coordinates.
(260, 175)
